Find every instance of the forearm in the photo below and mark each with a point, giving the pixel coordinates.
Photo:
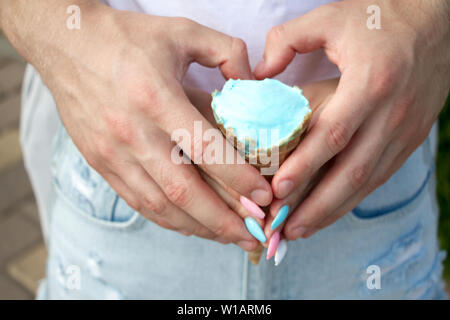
(37, 29)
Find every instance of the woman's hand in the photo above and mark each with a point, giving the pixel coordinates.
(393, 86)
(117, 85)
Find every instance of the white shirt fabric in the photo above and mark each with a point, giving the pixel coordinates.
(249, 20)
(246, 19)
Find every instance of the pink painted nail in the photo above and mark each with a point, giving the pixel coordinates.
(273, 245)
(252, 208)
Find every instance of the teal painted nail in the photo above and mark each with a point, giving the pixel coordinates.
(254, 229)
(281, 216)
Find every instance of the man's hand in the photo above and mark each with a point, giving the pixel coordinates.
(393, 86)
(117, 84)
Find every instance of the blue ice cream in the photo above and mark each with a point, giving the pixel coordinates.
(251, 107)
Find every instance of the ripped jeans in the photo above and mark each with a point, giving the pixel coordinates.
(99, 248)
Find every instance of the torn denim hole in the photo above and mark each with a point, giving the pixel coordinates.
(94, 265)
(430, 286)
(395, 264)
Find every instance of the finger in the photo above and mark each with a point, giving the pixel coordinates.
(334, 127)
(278, 206)
(155, 203)
(231, 198)
(351, 170)
(184, 187)
(392, 159)
(212, 48)
(131, 199)
(200, 140)
(304, 34)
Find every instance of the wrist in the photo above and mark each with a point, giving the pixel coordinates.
(37, 29)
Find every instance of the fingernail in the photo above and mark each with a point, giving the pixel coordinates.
(273, 245)
(299, 232)
(285, 188)
(259, 67)
(281, 252)
(246, 245)
(260, 196)
(281, 216)
(254, 229)
(252, 207)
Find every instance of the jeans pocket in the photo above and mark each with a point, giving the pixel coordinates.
(402, 189)
(82, 186)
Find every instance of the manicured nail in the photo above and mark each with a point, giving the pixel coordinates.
(285, 188)
(252, 207)
(281, 216)
(281, 252)
(254, 229)
(299, 232)
(260, 196)
(273, 245)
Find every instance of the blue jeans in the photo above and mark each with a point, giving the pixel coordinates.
(100, 248)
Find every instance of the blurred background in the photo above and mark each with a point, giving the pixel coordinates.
(22, 250)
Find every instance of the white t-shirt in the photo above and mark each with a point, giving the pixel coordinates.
(249, 20)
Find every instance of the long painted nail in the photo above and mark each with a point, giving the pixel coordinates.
(254, 229)
(273, 245)
(281, 216)
(252, 207)
(285, 188)
(281, 252)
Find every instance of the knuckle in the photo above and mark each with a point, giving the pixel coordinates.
(337, 137)
(179, 194)
(157, 205)
(276, 33)
(104, 149)
(121, 129)
(383, 82)
(359, 175)
(222, 230)
(144, 97)
(238, 46)
(401, 110)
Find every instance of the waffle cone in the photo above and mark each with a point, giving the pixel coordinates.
(258, 160)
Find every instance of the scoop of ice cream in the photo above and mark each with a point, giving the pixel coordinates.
(265, 113)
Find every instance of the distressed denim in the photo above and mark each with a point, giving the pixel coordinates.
(117, 254)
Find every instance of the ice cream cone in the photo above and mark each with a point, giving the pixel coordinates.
(245, 106)
(283, 150)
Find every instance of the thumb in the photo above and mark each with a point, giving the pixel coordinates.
(212, 48)
(301, 35)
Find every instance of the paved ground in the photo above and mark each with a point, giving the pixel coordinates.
(22, 252)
